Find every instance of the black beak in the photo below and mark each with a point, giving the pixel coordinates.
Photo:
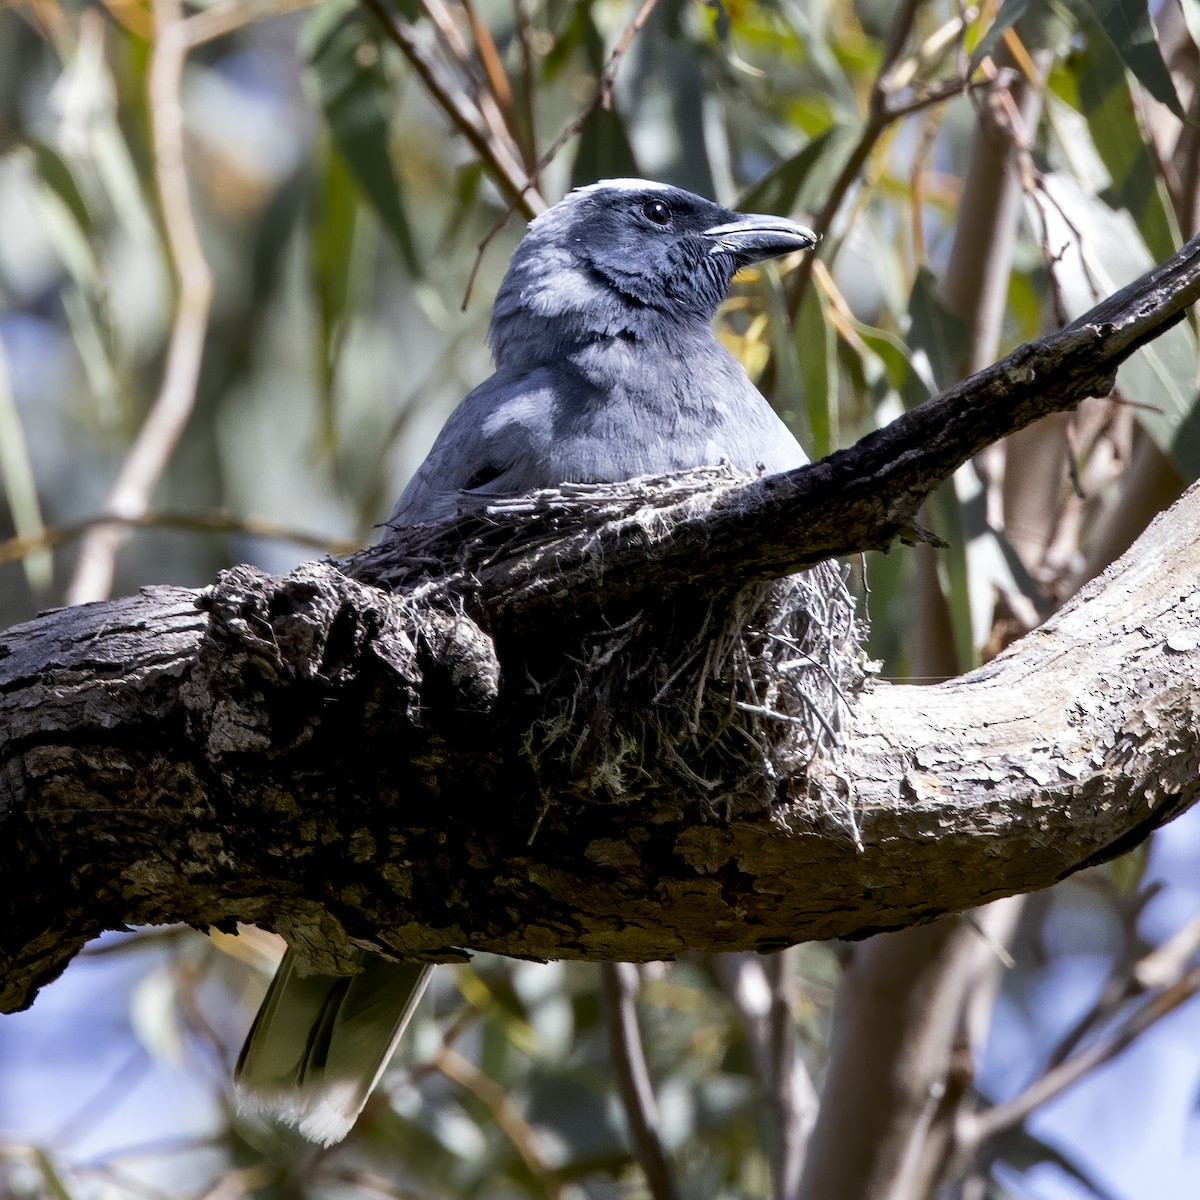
(753, 237)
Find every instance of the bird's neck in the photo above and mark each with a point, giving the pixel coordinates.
(554, 308)
(528, 340)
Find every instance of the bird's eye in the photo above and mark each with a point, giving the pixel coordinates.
(657, 211)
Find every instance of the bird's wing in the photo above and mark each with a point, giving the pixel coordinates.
(623, 415)
(496, 442)
(320, 1042)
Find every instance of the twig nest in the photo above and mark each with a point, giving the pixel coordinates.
(724, 694)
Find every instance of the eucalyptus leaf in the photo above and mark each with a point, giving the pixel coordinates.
(936, 333)
(19, 483)
(330, 264)
(1011, 11)
(802, 181)
(816, 346)
(604, 150)
(1099, 251)
(1127, 25)
(51, 1177)
(345, 64)
(1137, 182)
(58, 176)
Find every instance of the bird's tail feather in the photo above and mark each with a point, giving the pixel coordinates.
(320, 1042)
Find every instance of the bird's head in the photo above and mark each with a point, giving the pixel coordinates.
(626, 258)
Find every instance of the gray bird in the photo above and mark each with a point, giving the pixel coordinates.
(607, 368)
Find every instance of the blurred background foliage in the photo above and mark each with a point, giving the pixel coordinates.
(236, 244)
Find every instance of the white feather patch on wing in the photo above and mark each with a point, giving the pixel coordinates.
(323, 1115)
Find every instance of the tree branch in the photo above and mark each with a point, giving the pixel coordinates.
(619, 986)
(129, 497)
(506, 171)
(355, 768)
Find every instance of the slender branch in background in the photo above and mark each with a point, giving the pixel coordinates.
(877, 121)
(372, 1181)
(508, 1117)
(489, 56)
(939, 93)
(439, 16)
(882, 112)
(601, 97)
(52, 21)
(498, 94)
(1164, 964)
(1158, 968)
(793, 1096)
(89, 1112)
(487, 95)
(974, 286)
(164, 424)
(54, 536)
(232, 15)
(618, 995)
(528, 88)
(1006, 1116)
(918, 177)
(760, 988)
(895, 1021)
(506, 170)
(239, 1182)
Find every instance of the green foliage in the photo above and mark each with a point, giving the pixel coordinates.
(345, 54)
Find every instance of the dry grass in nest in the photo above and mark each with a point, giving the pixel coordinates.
(727, 698)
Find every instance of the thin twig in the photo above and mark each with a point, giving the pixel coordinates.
(489, 56)
(1011, 1113)
(133, 18)
(54, 536)
(211, 23)
(164, 424)
(937, 94)
(879, 116)
(528, 88)
(1158, 968)
(98, 1104)
(618, 993)
(53, 23)
(452, 38)
(1166, 962)
(760, 989)
(493, 69)
(488, 93)
(507, 1116)
(601, 97)
(505, 169)
(363, 1180)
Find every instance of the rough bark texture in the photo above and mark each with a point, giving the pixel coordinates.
(322, 758)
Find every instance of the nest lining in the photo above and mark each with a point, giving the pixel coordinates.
(730, 698)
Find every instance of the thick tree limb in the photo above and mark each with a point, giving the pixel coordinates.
(319, 757)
